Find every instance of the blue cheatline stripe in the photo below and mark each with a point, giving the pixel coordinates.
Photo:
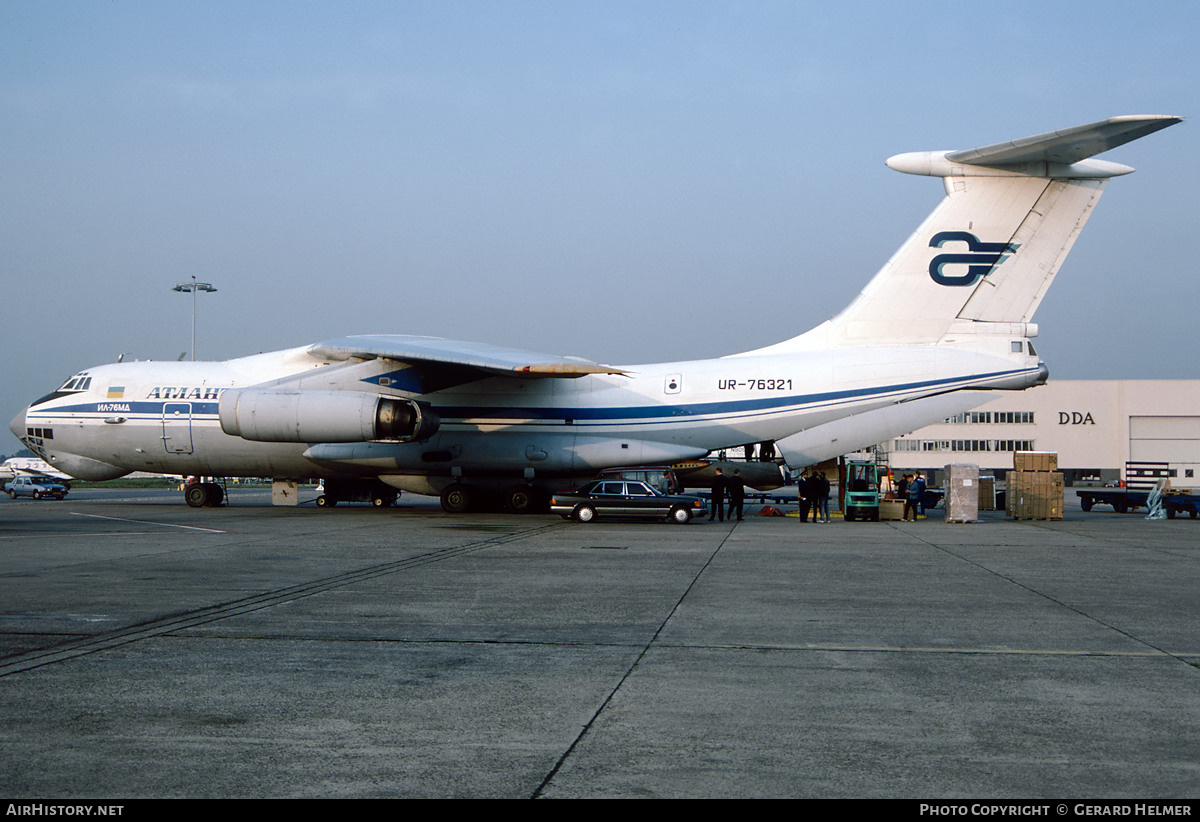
(109, 407)
(718, 408)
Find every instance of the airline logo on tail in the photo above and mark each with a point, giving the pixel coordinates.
(981, 259)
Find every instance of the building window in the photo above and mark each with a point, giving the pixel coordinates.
(988, 417)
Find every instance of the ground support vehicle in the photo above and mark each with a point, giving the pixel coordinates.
(862, 492)
(625, 498)
(367, 490)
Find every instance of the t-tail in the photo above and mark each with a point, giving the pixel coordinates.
(982, 261)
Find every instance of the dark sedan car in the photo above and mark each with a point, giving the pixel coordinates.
(625, 498)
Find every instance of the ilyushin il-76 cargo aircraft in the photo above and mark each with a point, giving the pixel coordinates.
(949, 314)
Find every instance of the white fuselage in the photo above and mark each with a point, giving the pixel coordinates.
(163, 417)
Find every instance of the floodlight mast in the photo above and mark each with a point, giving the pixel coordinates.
(194, 287)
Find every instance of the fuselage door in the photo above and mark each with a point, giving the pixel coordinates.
(177, 427)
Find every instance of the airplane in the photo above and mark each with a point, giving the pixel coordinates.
(947, 317)
(28, 466)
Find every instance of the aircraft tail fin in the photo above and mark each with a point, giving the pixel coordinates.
(991, 248)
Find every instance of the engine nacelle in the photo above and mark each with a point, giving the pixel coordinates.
(280, 415)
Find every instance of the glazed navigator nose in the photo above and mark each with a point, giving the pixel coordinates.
(17, 426)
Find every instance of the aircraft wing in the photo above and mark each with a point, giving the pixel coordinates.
(1070, 145)
(434, 351)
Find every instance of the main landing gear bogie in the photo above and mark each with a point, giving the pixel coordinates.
(203, 494)
(461, 498)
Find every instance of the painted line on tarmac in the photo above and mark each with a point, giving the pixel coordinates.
(60, 534)
(949, 650)
(148, 522)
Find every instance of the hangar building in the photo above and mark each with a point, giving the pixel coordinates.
(1101, 430)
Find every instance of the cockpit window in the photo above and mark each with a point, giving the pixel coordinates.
(79, 382)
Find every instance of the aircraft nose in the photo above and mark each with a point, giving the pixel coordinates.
(17, 426)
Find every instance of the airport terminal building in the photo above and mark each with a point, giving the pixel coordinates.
(1100, 429)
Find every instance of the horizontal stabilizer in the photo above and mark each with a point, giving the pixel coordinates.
(1069, 145)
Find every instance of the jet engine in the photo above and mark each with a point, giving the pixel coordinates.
(279, 415)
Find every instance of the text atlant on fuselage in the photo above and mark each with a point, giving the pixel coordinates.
(171, 392)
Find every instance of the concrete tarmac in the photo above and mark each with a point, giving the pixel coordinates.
(152, 650)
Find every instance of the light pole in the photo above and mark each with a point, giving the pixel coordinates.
(194, 287)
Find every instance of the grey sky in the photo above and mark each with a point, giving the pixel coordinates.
(624, 181)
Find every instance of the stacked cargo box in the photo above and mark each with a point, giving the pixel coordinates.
(962, 493)
(1035, 486)
(987, 492)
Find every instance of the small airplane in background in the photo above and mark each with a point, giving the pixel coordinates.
(28, 467)
(948, 316)
(32, 467)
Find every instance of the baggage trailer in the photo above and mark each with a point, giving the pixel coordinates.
(1176, 504)
(1123, 500)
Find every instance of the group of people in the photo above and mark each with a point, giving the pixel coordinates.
(813, 493)
(732, 486)
(911, 489)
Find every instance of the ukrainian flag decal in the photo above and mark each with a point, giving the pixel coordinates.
(116, 392)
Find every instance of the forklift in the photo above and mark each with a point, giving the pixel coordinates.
(861, 498)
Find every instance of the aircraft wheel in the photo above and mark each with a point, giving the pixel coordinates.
(326, 501)
(523, 499)
(585, 513)
(214, 494)
(680, 515)
(457, 499)
(1086, 504)
(195, 495)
